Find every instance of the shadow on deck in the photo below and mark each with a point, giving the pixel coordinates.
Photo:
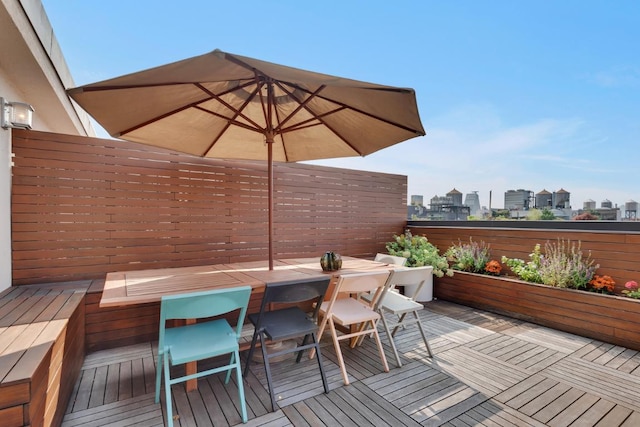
(488, 370)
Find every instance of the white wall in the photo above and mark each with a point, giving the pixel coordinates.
(5, 209)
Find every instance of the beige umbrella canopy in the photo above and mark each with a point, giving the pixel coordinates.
(228, 106)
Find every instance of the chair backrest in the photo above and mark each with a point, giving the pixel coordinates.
(197, 305)
(408, 276)
(390, 259)
(295, 291)
(357, 283)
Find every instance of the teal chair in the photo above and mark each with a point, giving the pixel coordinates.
(203, 340)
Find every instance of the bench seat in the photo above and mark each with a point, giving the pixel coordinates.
(42, 343)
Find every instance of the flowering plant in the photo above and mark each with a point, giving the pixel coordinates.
(493, 268)
(602, 284)
(562, 265)
(631, 289)
(419, 252)
(471, 257)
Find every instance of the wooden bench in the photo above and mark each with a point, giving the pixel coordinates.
(42, 347)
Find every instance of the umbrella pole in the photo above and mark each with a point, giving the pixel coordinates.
(270, 196)
(269, 139)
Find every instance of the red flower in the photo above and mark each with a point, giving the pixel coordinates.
(493, 267)
(602, 283)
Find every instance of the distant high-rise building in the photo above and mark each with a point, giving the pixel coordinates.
(473, 201)
(416, 200)
(518, 199)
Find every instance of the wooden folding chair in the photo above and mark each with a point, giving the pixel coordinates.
(358, 316)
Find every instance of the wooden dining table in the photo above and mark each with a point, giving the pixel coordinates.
(147, 286)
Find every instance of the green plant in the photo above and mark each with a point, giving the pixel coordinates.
(631, 289)
(547, 215)
(527, 271)
(562, 265)
(472, 257)
(419, 252)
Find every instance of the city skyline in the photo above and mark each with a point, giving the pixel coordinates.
(575, 205)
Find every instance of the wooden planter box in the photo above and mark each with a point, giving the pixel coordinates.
(607, 318)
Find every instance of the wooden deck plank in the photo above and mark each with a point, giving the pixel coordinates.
(573, 413)
(544, 399)
(555, 407)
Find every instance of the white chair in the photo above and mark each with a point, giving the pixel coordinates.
(401, 305)
(391, 259)
(357, 315)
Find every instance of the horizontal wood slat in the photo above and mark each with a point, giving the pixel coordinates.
(83, 207)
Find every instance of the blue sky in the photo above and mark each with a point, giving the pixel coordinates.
(534, 94)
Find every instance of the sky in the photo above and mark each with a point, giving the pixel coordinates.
(529, 94)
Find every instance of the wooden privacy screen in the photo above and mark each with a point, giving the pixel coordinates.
(82, 207)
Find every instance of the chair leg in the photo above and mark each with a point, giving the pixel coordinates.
(393, 344)
(424, 336)
(321, 328)
(159, 368)
(400, 320)
(319, 358)
(267, 370)
(231, 363)
(380, 349)
(304, 342)
(239, 377)
(167, 390)
(251, 350)
(336, 345)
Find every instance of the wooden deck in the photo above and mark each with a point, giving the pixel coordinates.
(488, 370)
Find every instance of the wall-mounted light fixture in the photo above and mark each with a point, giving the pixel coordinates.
(15, 114)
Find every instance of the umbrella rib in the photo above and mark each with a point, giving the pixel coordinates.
(195, 104)
(301, 104)
(373, 116)
(237, 112)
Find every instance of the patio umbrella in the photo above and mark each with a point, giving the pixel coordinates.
(228, 106)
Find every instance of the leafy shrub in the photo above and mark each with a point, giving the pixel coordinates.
(527, 271)
(419, 252)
